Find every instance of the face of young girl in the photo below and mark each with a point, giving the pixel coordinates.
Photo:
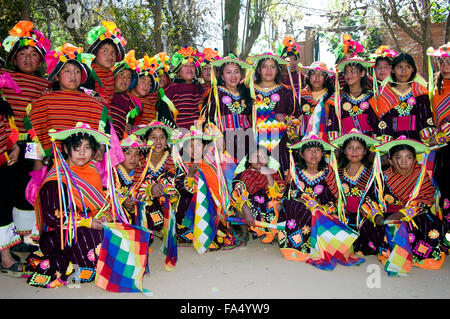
(27, 60)
(143, 87)
(444, 67)
(106, 56)
(196, 150)
(159, 140)
(187, 72)
(206, 73)
(268, 70)
(355, 151)
(403, 71)
(132, 157)
(312, 156)
(258, 159)
(81, 155)
(382, 70)
(402, 162)
(317, 79)
(69, 77)
(122, 81)
(352, 75)
(231, 75)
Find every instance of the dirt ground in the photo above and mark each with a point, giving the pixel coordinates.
(255, 271)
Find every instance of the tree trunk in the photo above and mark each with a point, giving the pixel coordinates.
(26, 10)
(231, 26)
(157, 10)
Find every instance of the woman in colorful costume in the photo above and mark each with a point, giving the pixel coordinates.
(158, 176)
(403, 104)
(68, 68)
(318, 88)
(228, 105)
(69, 212)
(108, 46)
(256, 194)
(203, 197)
(289, 49)
(124, 107)
(441, 113)
(354, 110)
(360, 186)
(409, 195)
(26, 47)
(274, 103)
(315, 178)
(185, 93)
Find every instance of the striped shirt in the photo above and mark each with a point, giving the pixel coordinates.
(186, 97)
(62, 110)
(106, 90)
(121, 105)
(32, 88)
(148, 113)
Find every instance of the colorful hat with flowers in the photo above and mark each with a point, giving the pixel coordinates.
(56, 59)
(209, 55)
(129, 62)
(142, 129)
(107, 30)
(442, 52)
(312, 140)
(385, 52)
(288, 47)
(352, 61)
(80, 128)
(318, 66)
(231, 58)
(186, 55)
(24, 34)
(134, 141)
(163, 61)
(348, 45)
(254, 60)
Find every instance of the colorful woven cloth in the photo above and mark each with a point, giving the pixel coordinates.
(268, 130)
(123, 258)
(169, 246)
(399, 262)
(201, 216)
(331, 242)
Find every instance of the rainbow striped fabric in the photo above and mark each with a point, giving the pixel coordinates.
(268, 130)
(399, 262)
(123, 258)
(331, 242)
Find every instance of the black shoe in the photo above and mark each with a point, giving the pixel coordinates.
(25, 248)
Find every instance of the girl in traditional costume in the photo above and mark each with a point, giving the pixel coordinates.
(360, 187)
(289, 49)
(158, 176)
(124, 107)
(26, 47)
(409, 195)
(68, 67)
(315, 177)
(145, 90)
(441, 113)
(203, 197)
(185, 93)
(9, 155)
(354, 110)
(228, 105)
(383, 66)
(108, 46)
(274, 102)
(403, 104)
(133, 149)
(209, 56)
(319, 88)
(256, 194)
(69, 212)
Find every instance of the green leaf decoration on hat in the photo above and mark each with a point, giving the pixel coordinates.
(85, 58)
(9, 42)
(94, 33)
